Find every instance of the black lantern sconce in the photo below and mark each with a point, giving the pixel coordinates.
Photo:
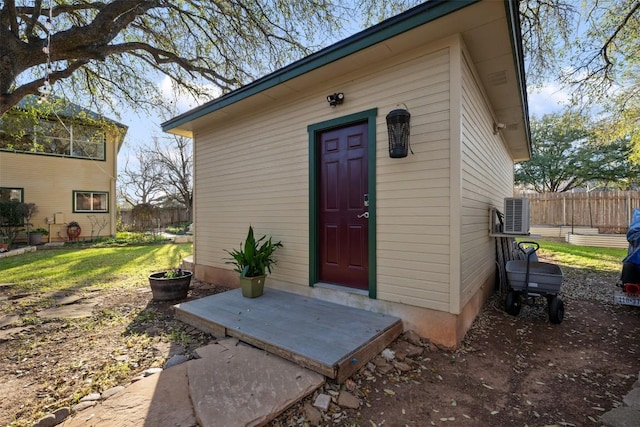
(398, 125)
(335, 99)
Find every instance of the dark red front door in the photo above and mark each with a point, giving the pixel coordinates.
(343, 216)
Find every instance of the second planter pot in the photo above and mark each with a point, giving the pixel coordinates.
(169, 288)
(252, 287)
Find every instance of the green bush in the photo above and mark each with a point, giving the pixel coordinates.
(178, 228)
(11, 219)
(42, 231)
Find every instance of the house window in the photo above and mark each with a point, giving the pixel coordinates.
(90, 201)
(87, 142)
(55, 138)
(11, 194)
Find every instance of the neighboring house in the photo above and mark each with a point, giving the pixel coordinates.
(63, 158)
(276, 155)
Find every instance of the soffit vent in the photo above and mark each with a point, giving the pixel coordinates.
(498, 78)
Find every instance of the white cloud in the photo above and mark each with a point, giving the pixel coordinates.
(548, 99)
(182, 100)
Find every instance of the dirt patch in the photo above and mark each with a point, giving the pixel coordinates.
(509, 370)
(51, 362)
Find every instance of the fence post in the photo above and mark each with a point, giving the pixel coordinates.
(629, 207)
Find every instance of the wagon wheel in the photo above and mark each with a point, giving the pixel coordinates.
(513, 304)
(556, 310)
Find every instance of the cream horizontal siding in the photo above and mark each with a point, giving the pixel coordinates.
(421, 297)
(253, 169)
(487, 177)
(250, 172)
(49, 182)
(413, 193)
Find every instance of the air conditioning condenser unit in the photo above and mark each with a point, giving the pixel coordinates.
(516, 214)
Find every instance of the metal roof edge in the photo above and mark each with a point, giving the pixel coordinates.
(70, 110)
(515, 34)
(412, 18)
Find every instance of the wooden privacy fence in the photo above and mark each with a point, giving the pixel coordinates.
(159, 217)
(608, 211)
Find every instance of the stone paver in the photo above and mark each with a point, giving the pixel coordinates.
(237, 385)
(9, 334)
(158, 400)
(8, 320)
(621, 417)
(348, 400)
(232, 384)
(46, 421)
(632, 399)
(176, 360)
(68, 299)
(73, 311)
(322, 402)
(627, 415)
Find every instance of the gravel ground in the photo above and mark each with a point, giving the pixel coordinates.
(589, 285)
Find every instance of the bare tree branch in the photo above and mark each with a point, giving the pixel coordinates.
(203, 46)
(141, 184)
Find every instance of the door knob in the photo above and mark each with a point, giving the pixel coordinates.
(364, 215)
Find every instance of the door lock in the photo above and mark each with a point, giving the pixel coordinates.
(364, 215)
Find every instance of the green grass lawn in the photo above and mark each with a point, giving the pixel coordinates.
(129, 266)
(106, 267)
(585, 257)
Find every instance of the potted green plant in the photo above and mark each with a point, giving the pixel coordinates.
(253, 260)
(170, 284)
(36, 234)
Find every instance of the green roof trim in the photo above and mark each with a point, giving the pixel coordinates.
(513, 21)
(412, 18)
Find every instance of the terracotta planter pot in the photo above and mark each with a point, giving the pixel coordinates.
(252, 287)
(167, 289)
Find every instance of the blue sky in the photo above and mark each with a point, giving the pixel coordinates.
(547, 99)
(142, 128)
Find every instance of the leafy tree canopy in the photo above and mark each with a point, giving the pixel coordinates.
(591, 48)
(567, 154)
(113, 52)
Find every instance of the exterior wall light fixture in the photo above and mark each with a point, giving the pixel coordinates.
(398, 126)
(335, 99)
(497, 127)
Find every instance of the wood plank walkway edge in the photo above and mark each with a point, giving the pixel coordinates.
(328, 338)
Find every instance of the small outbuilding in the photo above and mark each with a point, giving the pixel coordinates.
(315, 155)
